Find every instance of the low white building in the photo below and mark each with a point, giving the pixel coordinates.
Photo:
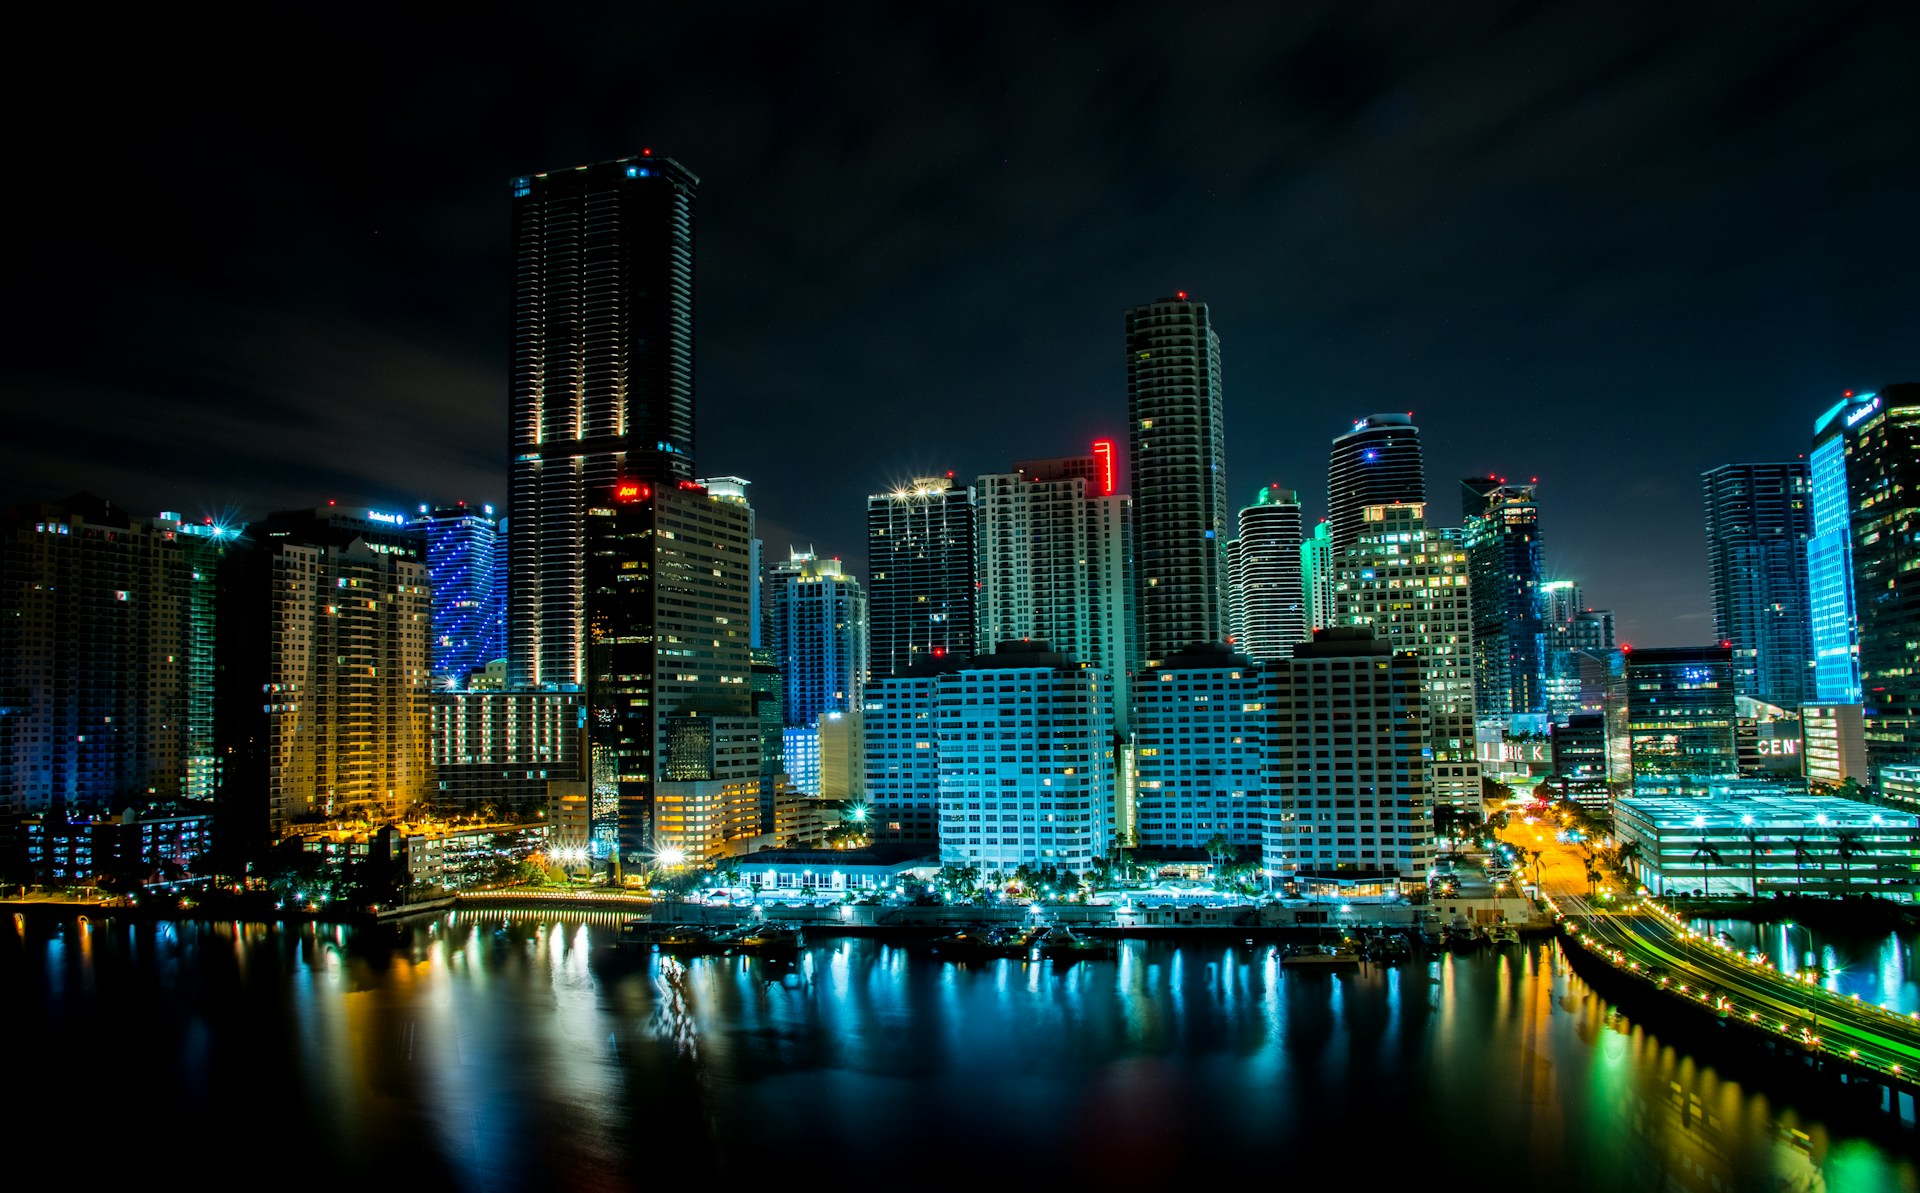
(1759, 845)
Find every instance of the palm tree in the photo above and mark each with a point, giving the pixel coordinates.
(1534, 855)
(1848, 844)
(1753, 863)
(1703, 855)
(1219, 850)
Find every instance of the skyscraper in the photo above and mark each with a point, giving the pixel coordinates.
(1201, 728)
(920, 564)
(1834, 632)
(1316, 576)
(1409, 582)
(669, 597)
(1501, 529)
(600, 379)
(1679, 704)
(823, 636)
(1758, 522)
(1376, 463)
(469, 629)
(325, 619)
(1883, 487)
(1177, 415)
(103, 653)
(1055, 564)
(1269, 605)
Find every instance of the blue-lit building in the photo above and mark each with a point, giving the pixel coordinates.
(1883, 489)
(466, 563)
(1505, 576)
(1757, 529)
(1835, 634)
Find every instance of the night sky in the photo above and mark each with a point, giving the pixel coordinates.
(258, 265)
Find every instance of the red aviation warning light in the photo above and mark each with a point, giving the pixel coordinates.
(1181, 295)
(1103, 465)
(631, 491)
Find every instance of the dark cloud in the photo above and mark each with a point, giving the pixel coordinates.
(1605, 246)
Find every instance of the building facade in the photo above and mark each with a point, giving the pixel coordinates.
(1833, 745)
(1352, 810)
(1317, 577)
(1834, 634)
(1679, 713)
(823, 639)
(1201, 725)
(920, 567)
(464, 556)
(1269, 607)
(1759, 518)
(503, 750)
(600, 380)
(1760, 845)
(1378, 462)
(1409, 582)
(1177, 418)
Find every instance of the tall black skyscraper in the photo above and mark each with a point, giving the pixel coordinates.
(1177, 415)
(920, 561)
(1883, 487)
(1376, 463)
(1759, 517)
(1501, 529)
(601, 379)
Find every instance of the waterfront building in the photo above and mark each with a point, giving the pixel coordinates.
(463, 551)
(1883, 487)
(1054, 563)
(1352, 810)
(1678, 706)
(1378, 462)
(600, 380)
(1176, 412)
(1409, 582)
(325, 625)
(1316, 577)
(1024, 739)
(1834, 634)
(1762, 844)
(162, 846)
(1758, 521)
(1833, 745)
(706, 799)
(902, 764)
(503, 750)
(1269, 603)
(920, 561)
(879, 870)
(823, 638)
(106, 656)
(1201, 726)
(1501, 533)
(669, 597)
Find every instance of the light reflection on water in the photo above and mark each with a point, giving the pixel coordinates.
(487, 1052)
(1877, 967)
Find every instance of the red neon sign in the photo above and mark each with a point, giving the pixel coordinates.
(1103, 465)
(631, 491)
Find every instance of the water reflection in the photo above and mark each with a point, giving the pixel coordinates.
(481, 1052)
(1877, 967)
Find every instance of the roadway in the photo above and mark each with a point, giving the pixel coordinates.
(1649, 940)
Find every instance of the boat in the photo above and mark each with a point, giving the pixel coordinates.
(773, 942)
(1466, 939)
(956, 946)
(1504, 934)
(1322, 957)
(1013, 943)
(1063, 944)
(637, 933)
(684, 940)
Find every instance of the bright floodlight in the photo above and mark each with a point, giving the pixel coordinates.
(859, 814)
(671, 856)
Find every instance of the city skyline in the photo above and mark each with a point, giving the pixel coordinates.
(1628, 303)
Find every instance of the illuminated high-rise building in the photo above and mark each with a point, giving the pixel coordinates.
(325, 621)
(1316, 576)
(1378, 462)
(823, 639)
(1268, 605)
(469, 627)
(1177, 447)
(920, 570)
(1054, 563)
(1758, 521)
(1679, 714)
(669, 587)
(1501, 530)
(1201, 727)
(1834, 633)
(600, 380)
(106, 656)
(1883, 487)
(1409, 581)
